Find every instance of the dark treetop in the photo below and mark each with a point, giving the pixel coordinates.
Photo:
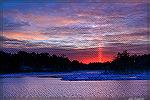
(43, 62)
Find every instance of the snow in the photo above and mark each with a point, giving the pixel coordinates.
(82, 75)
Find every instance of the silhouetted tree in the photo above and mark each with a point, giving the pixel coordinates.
(34, 62)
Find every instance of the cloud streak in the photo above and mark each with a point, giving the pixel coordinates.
(103, 26)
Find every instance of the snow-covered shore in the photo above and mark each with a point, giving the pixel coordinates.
(82, 75)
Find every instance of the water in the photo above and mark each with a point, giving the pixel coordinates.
(37, 88)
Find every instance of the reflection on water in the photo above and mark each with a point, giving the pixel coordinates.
(54, 88)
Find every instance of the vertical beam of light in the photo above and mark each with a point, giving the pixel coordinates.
(100, 54)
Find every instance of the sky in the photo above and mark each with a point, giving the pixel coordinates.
(88, 30)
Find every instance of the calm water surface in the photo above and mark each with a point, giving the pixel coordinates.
(56, 89)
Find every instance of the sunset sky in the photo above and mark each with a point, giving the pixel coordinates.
(88, 31)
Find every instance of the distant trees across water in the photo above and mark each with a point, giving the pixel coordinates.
(43, 62)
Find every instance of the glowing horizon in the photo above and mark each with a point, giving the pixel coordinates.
(85, 31)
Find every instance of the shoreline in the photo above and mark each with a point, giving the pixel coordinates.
(81, 75)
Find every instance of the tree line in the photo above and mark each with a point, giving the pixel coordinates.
(43, 62)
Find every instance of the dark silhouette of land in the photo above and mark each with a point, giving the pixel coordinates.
(43, 62)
